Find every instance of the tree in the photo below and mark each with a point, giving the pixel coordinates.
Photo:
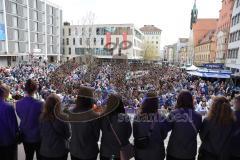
(150, 52)
(88, 32)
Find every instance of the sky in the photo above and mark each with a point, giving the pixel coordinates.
(172, 16)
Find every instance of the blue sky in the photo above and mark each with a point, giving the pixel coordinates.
(172, 16)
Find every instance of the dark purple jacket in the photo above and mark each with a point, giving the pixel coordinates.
(185, 124)
(8, 124)
(28, 110)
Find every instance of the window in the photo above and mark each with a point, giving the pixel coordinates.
(35, 26)
(15, 22)
(90, 30)
(63, 32)
(34, 3)
(83, 31)
(88, 41)
(69, 51)
(73, 41)
(36, 38)
(63, 41)
(117, 41)
(156, 42)
(15, 35)
(95, 41)
(76, 31)
(2, 46)
(67, 41)
(69, 31)
(50, 20)
(16, 47)
(34, 16)
(14, 8)
(1, 5)
(102, 41)
(238, 16)
(25, 12)
(1, 18)
(63, 50)
(80, 41)
(50, 10)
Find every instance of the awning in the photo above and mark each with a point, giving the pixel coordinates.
(192, 68)
(210, 74)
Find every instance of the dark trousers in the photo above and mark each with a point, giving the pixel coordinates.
(59, 158)
(75, 158)
(235, 158)
(30, 149)
(173, 158)
(8, 152)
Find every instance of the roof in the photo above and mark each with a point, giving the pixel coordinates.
(150, 28)
(183, 40)
(207, 37)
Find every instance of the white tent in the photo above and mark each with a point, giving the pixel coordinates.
(192, 68)
(183, 67)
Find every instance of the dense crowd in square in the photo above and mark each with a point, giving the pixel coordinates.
(191, 105)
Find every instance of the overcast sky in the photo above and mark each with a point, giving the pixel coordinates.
(172, 16)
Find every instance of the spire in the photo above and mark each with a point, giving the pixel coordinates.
(194, 14)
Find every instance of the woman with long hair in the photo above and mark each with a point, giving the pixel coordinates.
(149, 130)
(185, 124)
(216, 131)
(115, 124)
(54, 133)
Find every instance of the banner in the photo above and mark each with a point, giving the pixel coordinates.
(124, 44)
(108, 39)
(2, 32)
(214, 65)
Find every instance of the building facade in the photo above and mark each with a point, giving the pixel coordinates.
(182, 43)
(223, 28)
(205, 51)
(29, 28)
(233, 59)
(183, 54)
(169, 54)
(152, 38)
(199, 30)
(102, 41)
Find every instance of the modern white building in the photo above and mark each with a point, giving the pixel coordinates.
(102, 41)
(233, 55)
(29, 28)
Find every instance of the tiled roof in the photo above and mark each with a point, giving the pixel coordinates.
(208, 37)
(150, 28)
(183, 40)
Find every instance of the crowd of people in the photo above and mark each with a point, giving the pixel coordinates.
(194, 106)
